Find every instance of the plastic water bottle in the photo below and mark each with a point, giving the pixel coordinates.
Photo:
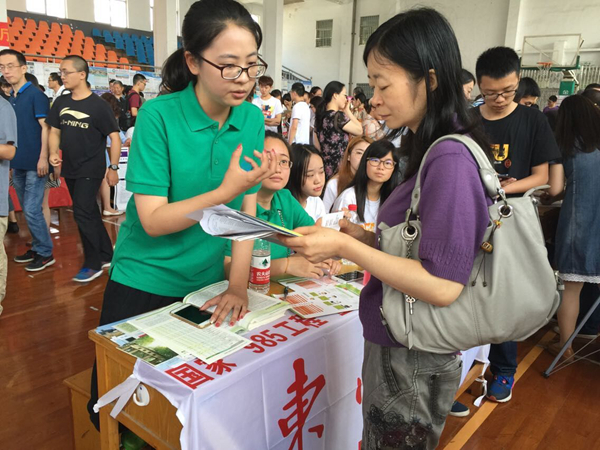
(352, 209)
(260, 268)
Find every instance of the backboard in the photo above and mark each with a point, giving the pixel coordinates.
(559, 50)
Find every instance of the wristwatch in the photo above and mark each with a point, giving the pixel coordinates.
(113, 167)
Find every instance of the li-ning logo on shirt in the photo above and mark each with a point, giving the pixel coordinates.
(77, 115)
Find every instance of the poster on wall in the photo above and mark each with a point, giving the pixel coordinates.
(124, 76)
(98, 78)
(4, 34)
(153, 85)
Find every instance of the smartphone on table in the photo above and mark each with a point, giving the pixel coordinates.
(193, 316)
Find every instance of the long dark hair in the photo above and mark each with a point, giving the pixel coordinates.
(420, 40)
(377, 149)
(300, 155)
(203, 22)
(113, 102)
(332, 88)
(577, 126)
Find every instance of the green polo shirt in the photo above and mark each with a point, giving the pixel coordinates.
(285, 211)
(179, 152)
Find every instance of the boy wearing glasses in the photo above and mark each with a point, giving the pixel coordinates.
(134, 99)
(30, 164)
(80, 123)
(523, 144)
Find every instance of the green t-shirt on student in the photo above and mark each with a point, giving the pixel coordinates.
(285, 211)
(179, 152)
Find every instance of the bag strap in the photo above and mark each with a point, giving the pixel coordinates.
(488, 174)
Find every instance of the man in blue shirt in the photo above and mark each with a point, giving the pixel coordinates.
(30, 164)
(8, 144)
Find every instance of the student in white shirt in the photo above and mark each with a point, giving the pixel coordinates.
(300, 122)
(348, 167)
(307, 179)
(377, 176)
(269, 105)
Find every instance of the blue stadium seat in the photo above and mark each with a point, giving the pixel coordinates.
(126, 36)
(107, 35)
(129, 48)
(119, 43)
(135, 37)
(96, 32)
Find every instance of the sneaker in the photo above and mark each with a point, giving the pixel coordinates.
(26, 257)
(86, 275)
(13, 227)
(459, 410)
(580, 335)
(105, 265)
(500, 389)
(40, 263)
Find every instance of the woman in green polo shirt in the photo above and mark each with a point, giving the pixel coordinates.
(192, 149)
(277, 205)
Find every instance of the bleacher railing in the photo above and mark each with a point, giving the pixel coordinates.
(122, 66)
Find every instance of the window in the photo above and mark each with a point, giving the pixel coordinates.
(113, 12)
(324, 33)
(368, 25)
(54, 8)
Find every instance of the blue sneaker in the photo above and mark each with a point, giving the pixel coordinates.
(459, 410)
(86, 275)
(500, 389)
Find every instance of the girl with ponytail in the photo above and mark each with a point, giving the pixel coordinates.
(197, 147)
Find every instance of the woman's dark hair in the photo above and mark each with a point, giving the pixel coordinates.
(362, 98)
(421, 40)
(377, 149)
(32, 79)
(286, 97)
(593, 95)
(466, 77)
(203, 22)
(316, 101)
(279, 137)
(527, 88)
(276, 93)
(577, 126)
(114, 104)
(314, 90)
(332, 88)
(300, 154)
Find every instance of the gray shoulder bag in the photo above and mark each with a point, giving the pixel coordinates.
(512, 290)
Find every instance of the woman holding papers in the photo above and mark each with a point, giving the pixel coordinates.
(193, 148)
(414, 66)
(277, 205)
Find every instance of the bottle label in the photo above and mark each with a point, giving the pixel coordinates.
(260, 270)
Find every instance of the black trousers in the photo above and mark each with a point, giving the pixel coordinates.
(97, 247)
(122, 302)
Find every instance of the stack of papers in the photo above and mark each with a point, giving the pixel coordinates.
(315, 298)
(228, 223)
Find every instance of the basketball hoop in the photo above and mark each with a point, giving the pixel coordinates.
(544, 68)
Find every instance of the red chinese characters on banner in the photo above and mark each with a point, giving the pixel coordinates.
(189, 375)
(4, 35)
(300, 406)
(219, 367)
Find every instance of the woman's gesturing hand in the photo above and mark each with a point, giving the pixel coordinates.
(237, 180)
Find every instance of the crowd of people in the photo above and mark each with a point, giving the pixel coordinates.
(290, 158)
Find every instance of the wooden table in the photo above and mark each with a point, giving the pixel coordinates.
(155, 423)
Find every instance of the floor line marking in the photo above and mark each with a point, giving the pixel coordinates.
(483, 412)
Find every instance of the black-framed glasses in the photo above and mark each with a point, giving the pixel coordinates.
(505, 95)
(387, 163)
(233, 71)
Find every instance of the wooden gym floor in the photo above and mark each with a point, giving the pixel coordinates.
(43, 340)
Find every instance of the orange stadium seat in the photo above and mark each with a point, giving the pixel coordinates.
(31, 26)
(43, 27)
(66, 30)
